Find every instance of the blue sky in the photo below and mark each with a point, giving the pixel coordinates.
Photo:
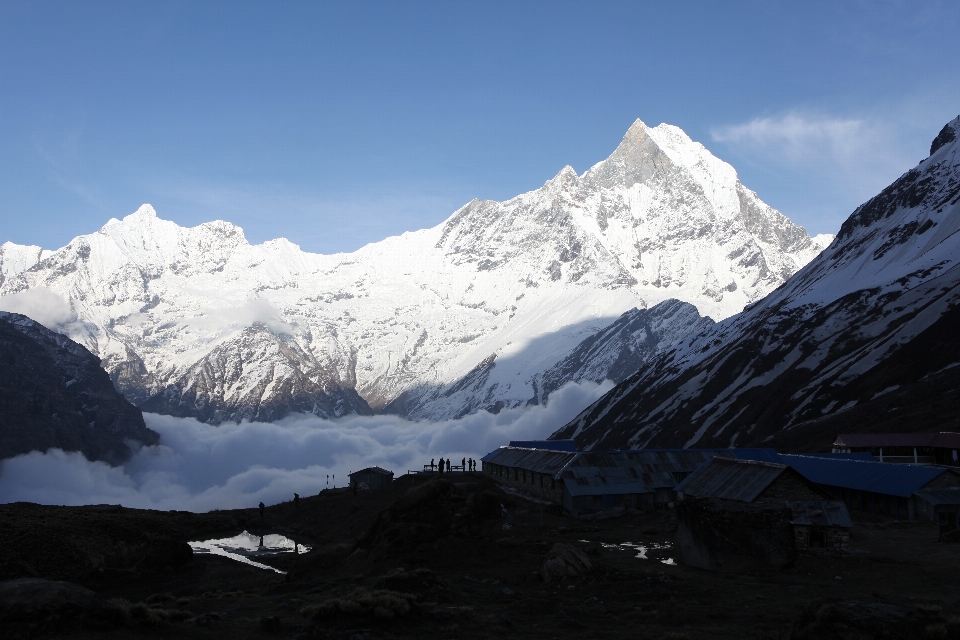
(338, 124)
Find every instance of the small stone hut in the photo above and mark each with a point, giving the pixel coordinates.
(820, 524)
(942, 505)
(749, 481)
(814, 520)
(372, 477)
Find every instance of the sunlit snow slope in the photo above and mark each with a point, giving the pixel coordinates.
(862, 338)
(432, 324)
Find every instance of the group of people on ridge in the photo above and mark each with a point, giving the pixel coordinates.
(467, 464)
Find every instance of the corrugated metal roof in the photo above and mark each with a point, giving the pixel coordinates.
(552, 445)
(652, 468)
(536, 460)
(642, 470)
(580, 482)
(939, 496)
(820, 513)
(878, 477)
(730, 479)
(947, 440)
(668, 460)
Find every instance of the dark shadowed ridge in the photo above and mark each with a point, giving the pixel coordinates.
(863, 338)
(54, 394)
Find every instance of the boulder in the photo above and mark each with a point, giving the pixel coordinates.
(564, 561)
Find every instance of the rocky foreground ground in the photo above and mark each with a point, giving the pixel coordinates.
(450, 557)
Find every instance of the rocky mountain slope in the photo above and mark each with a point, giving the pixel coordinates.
(436, 323)
(864, 334)
(53, 393)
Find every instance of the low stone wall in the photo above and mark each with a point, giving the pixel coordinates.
(823, 538)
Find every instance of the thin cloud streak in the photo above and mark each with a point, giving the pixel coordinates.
(800, 138)
(826, 165)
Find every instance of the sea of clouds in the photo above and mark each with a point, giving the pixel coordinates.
(200, 467)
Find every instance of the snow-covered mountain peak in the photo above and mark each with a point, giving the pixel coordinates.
(907, 226)
(874, 313)
(949, 133)
(514, 284)
(15, 258)
(146, 210)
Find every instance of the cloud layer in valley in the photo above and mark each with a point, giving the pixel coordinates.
(199, 467)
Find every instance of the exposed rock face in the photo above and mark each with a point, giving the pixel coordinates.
(861, 335)
(53, 393)
(257, 375)
(468, 315)
(619, 350)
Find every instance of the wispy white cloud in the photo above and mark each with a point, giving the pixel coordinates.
(201, 467)
(804, 138)
(236, 317)
(41, 304)
(818, 167)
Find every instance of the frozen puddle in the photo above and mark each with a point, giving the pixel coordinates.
(246, 546)
(643, 551)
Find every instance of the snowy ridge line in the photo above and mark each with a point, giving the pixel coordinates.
(886, 286)
(482, 311)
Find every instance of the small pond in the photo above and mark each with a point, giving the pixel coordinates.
(644, 551)
(244, 547)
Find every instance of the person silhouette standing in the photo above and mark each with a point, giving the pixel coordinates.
(440, 466)
(261, 510)
(432, 466)
(296, 502)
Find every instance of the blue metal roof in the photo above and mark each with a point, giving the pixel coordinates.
(550, 445)
(877, 477)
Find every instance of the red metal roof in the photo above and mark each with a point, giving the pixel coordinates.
(875, 440)
(947, 440)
